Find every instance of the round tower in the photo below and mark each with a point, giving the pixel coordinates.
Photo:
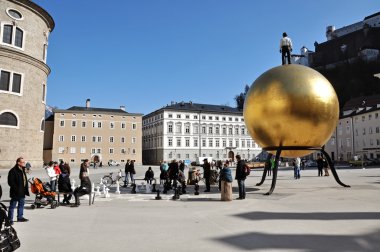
(24, 33)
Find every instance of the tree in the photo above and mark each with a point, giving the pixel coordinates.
(240, 98)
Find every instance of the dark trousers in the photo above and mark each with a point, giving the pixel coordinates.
(80, 191)
(207, 180)
(320, 173)
(241, 188)
(285, 52)
(20, 208)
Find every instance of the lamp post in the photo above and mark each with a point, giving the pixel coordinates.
(248, 155)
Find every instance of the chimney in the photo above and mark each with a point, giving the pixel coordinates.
(87, 103)
(122, 108)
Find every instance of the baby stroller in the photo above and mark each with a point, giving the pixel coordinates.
(44, 195)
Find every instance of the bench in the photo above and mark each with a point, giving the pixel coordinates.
(91, 197)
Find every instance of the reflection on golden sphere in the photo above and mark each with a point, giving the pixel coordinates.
(291, 105)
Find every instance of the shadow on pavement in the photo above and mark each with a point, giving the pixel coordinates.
(311, 216)
(304, 242)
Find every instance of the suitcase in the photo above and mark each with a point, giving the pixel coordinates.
(226, 191)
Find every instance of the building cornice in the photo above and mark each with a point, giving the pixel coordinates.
(38, 10)
(20, 56)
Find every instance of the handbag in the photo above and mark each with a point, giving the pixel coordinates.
(9, 240)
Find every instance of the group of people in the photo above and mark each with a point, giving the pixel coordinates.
(19, 189)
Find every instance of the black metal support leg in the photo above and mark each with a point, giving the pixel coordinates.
(265, 169)
(275, 169)
(332, 168)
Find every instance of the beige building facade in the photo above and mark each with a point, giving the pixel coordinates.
(24, 33)
(357, 134)
(97, 134)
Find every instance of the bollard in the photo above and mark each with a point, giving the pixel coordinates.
(184, 187)
(98, 191)
(101, 181)
(196, 188)
(73, 184)
(107, 195)
(104, 189)
(154, 188)
(117, 188)
(93, 188)
(158, 197)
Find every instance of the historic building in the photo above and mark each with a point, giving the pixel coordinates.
(24, 32)
(357, 134)
(187, 131)
(98, 134)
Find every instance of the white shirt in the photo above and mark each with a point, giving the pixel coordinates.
(51, 173)
(286, 42)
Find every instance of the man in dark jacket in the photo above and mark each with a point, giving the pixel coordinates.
(207, 173)
(240, 177)
(18, 183)
(64, 184)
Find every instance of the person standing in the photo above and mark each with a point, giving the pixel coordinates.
(285, 47)
(240, 176)
(52, 175)
(226, 183)
(320, 164)
(18, 184)
(132, 170)
(126, 170)
(326, 167)
(85, 182)
(298, 168)
(207, 173)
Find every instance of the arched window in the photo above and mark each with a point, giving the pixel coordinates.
(8, 119)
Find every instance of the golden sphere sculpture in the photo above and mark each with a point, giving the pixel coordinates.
(291, 105)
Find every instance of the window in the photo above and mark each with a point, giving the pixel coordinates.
(178, 128)
(170, 128)
(14, 14)
(195, 142)
(210, 143)
(224, 143)
(203, 117)
(112, 125)
(123, 125)
(170, 115)
(196, 131)
(237, 143)
(242, 143)
(111, 139)
(217, 118)
(83, 138)
(133, 140)
(111, 150)
(99, 139)
(248, 144)
(236, 131)
(210, 130)
(61, 150)
(195, 117)
(122, 151)
(187, 156)
(370, 130)
(43, 93)
(203, 129)
(217, 130)
(170, 142)
(187, 129)
(229, 131)
(217, 143)
(72, 150)
(224, 131)
(73, 138)
(99, 124)
(8, 119)
(178, 116)
(134, 126)
(210, 118)
(73, 124)
(82, 150)
(133, 151)
(83, 124)
(377, 130)
(230, 119)
(203, 142)
(13, 35)
(178, 142)
(122, 139)
(10, 82)
(223, 118)
(230, 143)
(187, 117)
(243, 131)
(61, 138)
(347, 129)
(187, 142)
(348, 141)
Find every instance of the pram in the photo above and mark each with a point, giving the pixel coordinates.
(44, 195)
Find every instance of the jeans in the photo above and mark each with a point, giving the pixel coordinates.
(241, 188)
(53, 184)
(297, 174)
(131, 175)
(20, 208)
(285, 53)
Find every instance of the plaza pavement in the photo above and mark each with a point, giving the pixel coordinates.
(311, 214)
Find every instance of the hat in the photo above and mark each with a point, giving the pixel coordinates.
(205, 159)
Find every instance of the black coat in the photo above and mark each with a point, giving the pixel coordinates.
(64, 184)
(18, 187)
(206, 170)
(240, 174)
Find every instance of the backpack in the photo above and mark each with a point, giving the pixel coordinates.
(247, 169)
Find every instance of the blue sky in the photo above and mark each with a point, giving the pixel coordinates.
(143, 54)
